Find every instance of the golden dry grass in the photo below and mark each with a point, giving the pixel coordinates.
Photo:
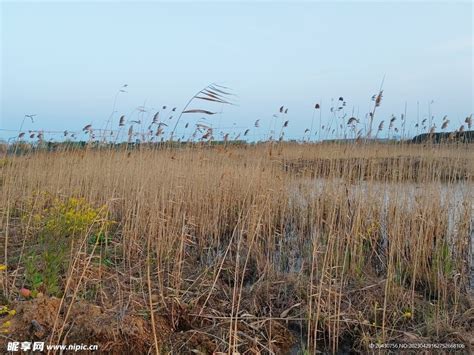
(266, 248)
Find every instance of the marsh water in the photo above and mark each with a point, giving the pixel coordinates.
(453, 198)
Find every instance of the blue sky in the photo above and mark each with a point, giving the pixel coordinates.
(65, 61)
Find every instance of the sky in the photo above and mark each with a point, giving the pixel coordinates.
(65, 61)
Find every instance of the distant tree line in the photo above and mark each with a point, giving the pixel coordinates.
(444, 137)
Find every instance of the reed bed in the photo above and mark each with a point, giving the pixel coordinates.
(268, 248)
